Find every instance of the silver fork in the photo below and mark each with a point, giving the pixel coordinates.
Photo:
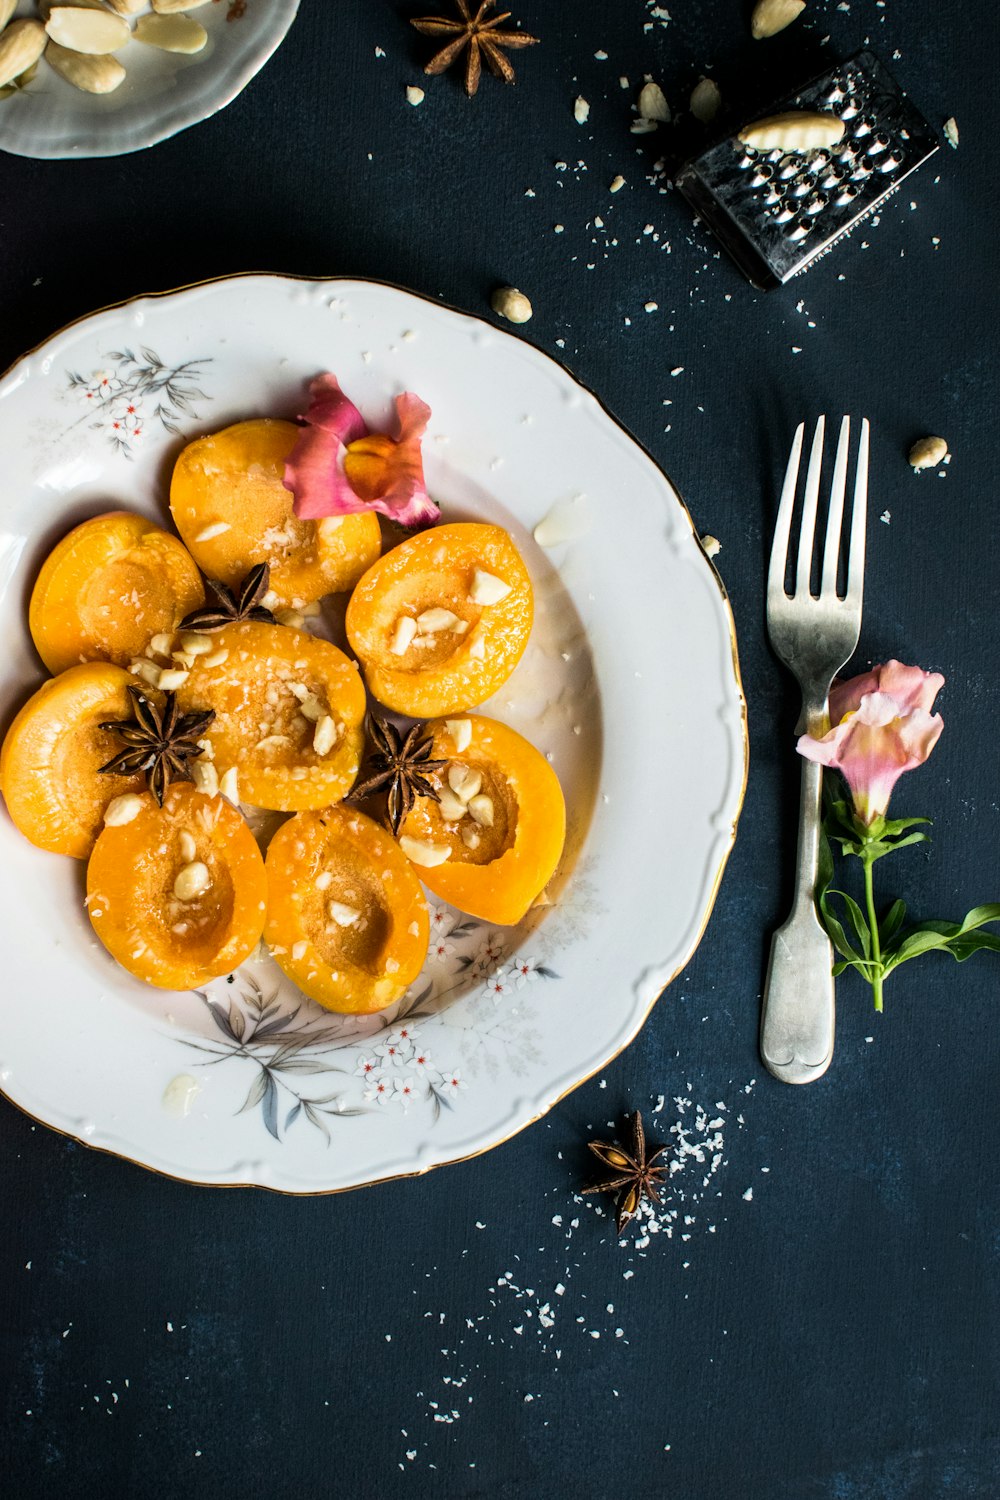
(814, 636)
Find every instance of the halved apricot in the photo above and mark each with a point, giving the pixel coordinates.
(492, 843)
(177, 894)
(441, 621)
(50, 756)
(230, 506)
(346, 918)
(108, 586)
(289, 711)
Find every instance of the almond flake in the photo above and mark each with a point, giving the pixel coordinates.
(188, 847)
(406, 629)
(487, 588)
(205, 777)
(121, 810)
(461, 733)
(344, 916)
(481, 809)
(229, 785)
(325, 735)
(216, 659)
(420, 853)
(437, 619)
(172, 679)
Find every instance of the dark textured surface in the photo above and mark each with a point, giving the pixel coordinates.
(832, 1338)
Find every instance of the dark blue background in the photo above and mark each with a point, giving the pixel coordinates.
(835, 1337)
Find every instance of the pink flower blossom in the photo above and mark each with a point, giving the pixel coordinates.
(339, 467)
(882, 726)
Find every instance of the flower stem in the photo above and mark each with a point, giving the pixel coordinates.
(876, 979)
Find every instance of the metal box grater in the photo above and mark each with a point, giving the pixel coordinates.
(776, 212)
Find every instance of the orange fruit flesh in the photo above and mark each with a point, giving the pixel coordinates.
(339, 860)
(510, 863)
(108, 586)
(445, 670)
(233, 480)
(271, 674)
(163, 940)
(50, 756)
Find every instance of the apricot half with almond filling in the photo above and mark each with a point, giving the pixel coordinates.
(289, 711)
(232, 509)
(492, 843)
(177, 894)
(108, 586)
(51, 754)
(441, 621)
(346, 918)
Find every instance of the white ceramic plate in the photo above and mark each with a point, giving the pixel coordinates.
(630, 684)
(163, 92)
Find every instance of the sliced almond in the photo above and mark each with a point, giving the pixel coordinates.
(419, 853)
(21, 45)
(192, 881)
(171, 33)
(487, 588)
(216, 658)
(324, 735)
(798, 130)
(771, 16)
(217, 528)
(481, 810)
(188, 847)
(464, 781)
(451, 808)
(343, 915)
(229, 785)
(403, 636)
(196, 642)
(148, 671)
(173, 678)
(163, 643)
(92, 32)
(205, 777)
(461, 733)
(437, 619)
(121, 810)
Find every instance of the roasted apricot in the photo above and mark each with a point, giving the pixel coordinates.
(441, 621)
(50, 756)
(108, 586)
(177, 894)
(492, 843)
(346, 918)
(289, 711)
(232, 509)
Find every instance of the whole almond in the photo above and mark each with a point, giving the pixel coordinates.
(705, 100)
(21, 45)
(92, 74)
(799, 130)
(171, 7)
(7, 9)
(93, 32)
(771, 16)
(171, 33)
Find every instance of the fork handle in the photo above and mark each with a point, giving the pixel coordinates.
(797, 1021)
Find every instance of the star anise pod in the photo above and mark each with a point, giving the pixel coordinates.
(401, 764)
(233, 605)
(636, 1174)
(483, 38)
(161, 741)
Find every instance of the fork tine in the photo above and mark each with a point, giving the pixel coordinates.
(783, 524)
(810, 501)
(856, 558)
(835, 516)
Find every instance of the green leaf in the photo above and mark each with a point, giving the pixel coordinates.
(858, 922)
(893, 826)
(882, 847)
(968, 943)
(915, 943)
(979, 915)
(891, 922)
